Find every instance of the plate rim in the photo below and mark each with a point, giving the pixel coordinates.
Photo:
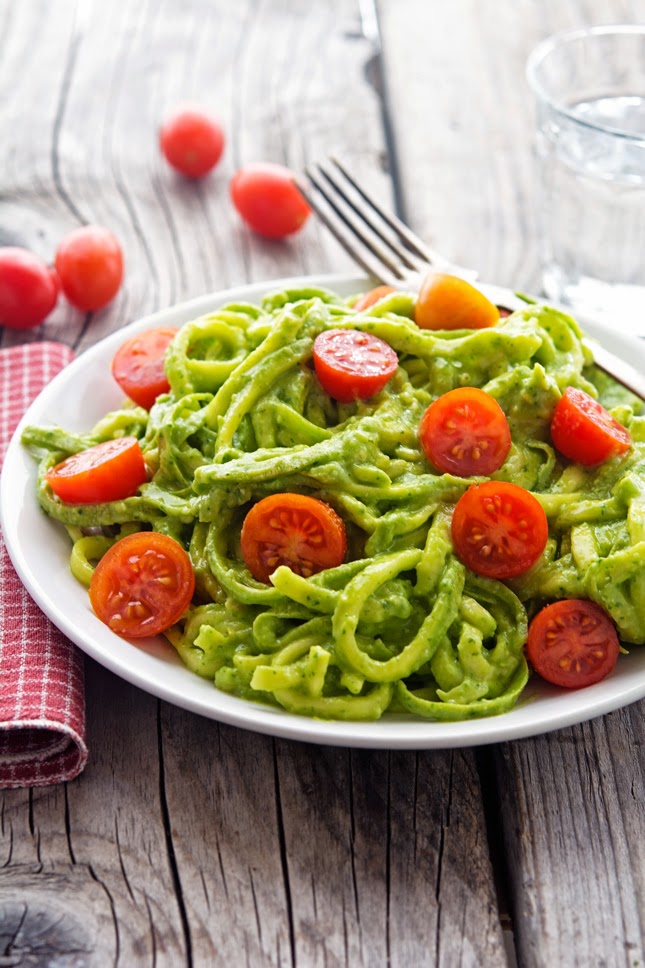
(203, 698)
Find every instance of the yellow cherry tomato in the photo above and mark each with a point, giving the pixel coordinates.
(449, 302)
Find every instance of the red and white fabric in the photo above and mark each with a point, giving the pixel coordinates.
(42, 700)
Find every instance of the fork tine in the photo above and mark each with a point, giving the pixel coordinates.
(366, 213)
(413, 242)
(346, 236)
(355, 226)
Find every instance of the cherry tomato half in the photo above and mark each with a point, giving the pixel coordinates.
(28, 288)
(572, 643)
(268, 200)
(584, 431)
(465, 432)
(142, 585)
(499, 530)
(368, 299)
(138, 365)
(109, 471)
(295, 530)
(192, 142)
(449, 302)
(351, 365)
(89, 263)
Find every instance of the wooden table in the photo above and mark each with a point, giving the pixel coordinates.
(186, 842)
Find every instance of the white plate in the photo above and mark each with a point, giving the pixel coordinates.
(39, 548)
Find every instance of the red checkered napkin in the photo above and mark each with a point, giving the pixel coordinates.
(42, 701)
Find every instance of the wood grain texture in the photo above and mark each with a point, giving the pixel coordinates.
(462, 124)
(578, 877)
(385, 858)
(308, 855)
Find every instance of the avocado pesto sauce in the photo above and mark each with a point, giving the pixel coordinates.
(401, 624)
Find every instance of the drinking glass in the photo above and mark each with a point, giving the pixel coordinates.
(589, 88)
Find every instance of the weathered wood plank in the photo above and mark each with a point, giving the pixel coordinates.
(351, 857)
(86, 151)
(461, 116)
(379, 843)
(574, 812)
(224, 810)
(438, 840)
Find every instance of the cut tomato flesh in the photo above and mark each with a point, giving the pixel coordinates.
(498, 529)
(465, 432)
(573, 643)
(584, 431)
(142, 585)
(294, 530)
(110, 471)
(352, 365)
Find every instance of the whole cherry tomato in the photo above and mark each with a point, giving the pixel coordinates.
(89, 263)
(572, 643)
(450, 302)
(584, 431)
(192, 142)
(295, 530)
(28, 288)
(142, 585)
(268, 200)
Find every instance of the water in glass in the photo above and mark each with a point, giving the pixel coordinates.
(593, 173)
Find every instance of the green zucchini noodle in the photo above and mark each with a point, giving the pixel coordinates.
(402, 624)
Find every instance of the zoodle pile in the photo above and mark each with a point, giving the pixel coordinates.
(342, 507)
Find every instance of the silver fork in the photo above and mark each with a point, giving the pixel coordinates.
(387, 249)
(376, 239)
